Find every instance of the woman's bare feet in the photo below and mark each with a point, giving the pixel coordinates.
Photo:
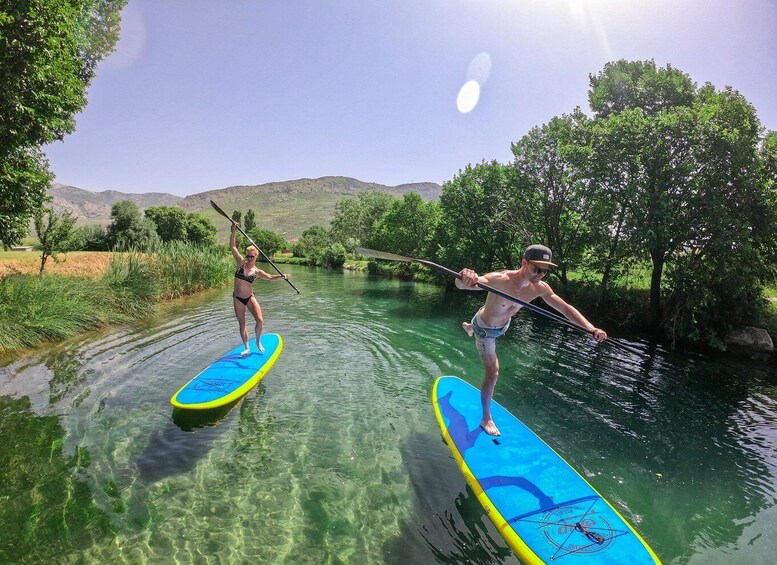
(490, 428)
(246, 352)
(467, 328)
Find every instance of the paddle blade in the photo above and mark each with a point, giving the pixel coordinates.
(382, 255)
(219, 210)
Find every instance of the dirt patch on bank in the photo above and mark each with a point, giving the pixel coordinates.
(76, 263)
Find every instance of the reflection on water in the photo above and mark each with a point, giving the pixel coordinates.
(336, 456)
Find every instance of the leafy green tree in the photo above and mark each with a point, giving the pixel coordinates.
(87, 238)
(53, 231)
(354, 217)
(24, 181)
(49, 50)
(250, 221)
(174, 224)
(641, 161)
(200, 229)
(312, 244)
(639, 84)
(717, 280)
(334, 256)
(487, 217)
(407, 227)
(685, 185)
(170, 222)
(268, 241)
(553, 157)
(128, 229)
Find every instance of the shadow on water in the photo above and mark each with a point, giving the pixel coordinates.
(448, 524)
(185, 441)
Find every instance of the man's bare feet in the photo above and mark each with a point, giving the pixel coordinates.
(467, 328)
(490, 428)
(245, 352)
(259, 346)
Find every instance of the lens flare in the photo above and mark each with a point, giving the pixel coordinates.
(479, 68)
(468, 97)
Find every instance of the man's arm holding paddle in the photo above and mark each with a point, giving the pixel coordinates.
(469, 280)
(572, 314)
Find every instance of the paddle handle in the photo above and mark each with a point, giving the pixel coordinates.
(264, 256)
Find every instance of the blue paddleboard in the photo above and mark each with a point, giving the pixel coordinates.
(545, 510)
(229, 378)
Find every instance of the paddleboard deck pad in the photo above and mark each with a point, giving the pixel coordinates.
(545, 510)
(229, 378)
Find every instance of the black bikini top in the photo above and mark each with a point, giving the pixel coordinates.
(240, 274)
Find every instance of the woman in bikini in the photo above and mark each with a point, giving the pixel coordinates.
(243, 293)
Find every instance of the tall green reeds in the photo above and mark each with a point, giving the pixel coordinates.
(39, 308)
(35, 309)
(186, 269)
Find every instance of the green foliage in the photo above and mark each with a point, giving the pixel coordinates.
(48, 53)
(134, 282)
(174, 224)
(24, 180)
(552, 159)
(53, 231)
(710, 294)
(407, 227)
(169, 222)
(679, 170)
(354, 217)
(86, 238)
(184, 269)
(35, 309)
(638, 84)
(334, 256)
(200, 230)
(250, 221)
(484, 217)
(128, 229)
(312, 244)
(268, 241)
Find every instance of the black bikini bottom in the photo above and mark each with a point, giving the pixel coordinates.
(245, 301)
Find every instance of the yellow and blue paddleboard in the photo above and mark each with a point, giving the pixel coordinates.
(545, 510)
(229, 378)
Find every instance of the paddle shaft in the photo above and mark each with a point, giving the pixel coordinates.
(527, 305)
(264, 256)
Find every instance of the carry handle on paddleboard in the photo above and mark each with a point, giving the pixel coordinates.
(266, 258)
(393, 257)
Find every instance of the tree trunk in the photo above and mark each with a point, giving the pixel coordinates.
(657, 256)
(611, 256)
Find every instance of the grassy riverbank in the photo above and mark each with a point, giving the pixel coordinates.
(108, 288)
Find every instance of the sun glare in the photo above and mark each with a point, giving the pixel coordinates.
(468, 97)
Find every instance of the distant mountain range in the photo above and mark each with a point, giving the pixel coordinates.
(287, 207)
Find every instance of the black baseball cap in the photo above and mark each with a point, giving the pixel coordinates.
(539, 255)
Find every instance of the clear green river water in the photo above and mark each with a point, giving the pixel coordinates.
(336, 457)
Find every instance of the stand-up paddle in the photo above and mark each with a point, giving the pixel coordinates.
(266, 258)
(537, 310)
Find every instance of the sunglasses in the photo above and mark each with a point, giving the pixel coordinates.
(538, 270)
(250, 256)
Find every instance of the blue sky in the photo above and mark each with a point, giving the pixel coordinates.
(205, 94)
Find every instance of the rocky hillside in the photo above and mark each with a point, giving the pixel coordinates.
(288, 207)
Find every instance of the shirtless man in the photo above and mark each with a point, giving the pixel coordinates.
(493, 319)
